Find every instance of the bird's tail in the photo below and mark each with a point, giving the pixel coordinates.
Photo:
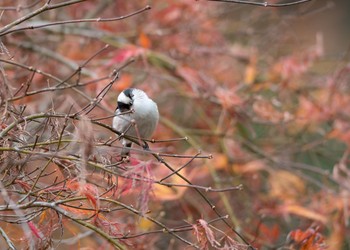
(126, 149)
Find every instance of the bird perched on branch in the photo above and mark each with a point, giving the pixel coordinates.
(136, 115)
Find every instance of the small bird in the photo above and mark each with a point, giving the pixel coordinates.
(140, 122)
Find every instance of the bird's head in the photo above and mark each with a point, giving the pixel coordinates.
(125, 100)
(128, 97)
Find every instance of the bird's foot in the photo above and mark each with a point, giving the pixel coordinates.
(145, 146)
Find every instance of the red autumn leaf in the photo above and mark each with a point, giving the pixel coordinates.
(139, 180)
(198, 232)
(309, 239)
(126, 186)
(134, 162)
(88, 190)
(23, 184)
(112, 228)
(38, 234)
(126, 53)
(271, 233)
(205, 234)
(228, 98)
(91, 193)
(170, 14)
(295, 65)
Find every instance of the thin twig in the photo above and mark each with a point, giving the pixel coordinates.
(206, 189)
(263, 4)
(180, 168)
(164, 228)
(197, 156)
(35, 182)
(83, 65)
(7, 239)
(213, 207)
(168, 140)
(19, 8)
(90, 20)
(44, 8)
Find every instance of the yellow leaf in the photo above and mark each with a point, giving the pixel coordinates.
(250, 71)
(163, 192)
(145, 224)
(285, 185)
(250, 74)
(167, 193)
(305, 212)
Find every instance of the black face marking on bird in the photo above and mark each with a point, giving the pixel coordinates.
(125, 100)
(123, 107)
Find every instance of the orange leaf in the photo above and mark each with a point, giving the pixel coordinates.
(249, 167)
(73, 185)
(43, 216)
(124, 82)
(305, 212)
(220, 161)
(144, 41)
(88, 190)
(309, 239)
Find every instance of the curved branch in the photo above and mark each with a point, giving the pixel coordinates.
(263, 4)
(44, 8)
(89, 20)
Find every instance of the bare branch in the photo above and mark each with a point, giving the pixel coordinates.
(46, 7)
(6, 31)
(7, 239)
(263, 4)
(19, 7)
